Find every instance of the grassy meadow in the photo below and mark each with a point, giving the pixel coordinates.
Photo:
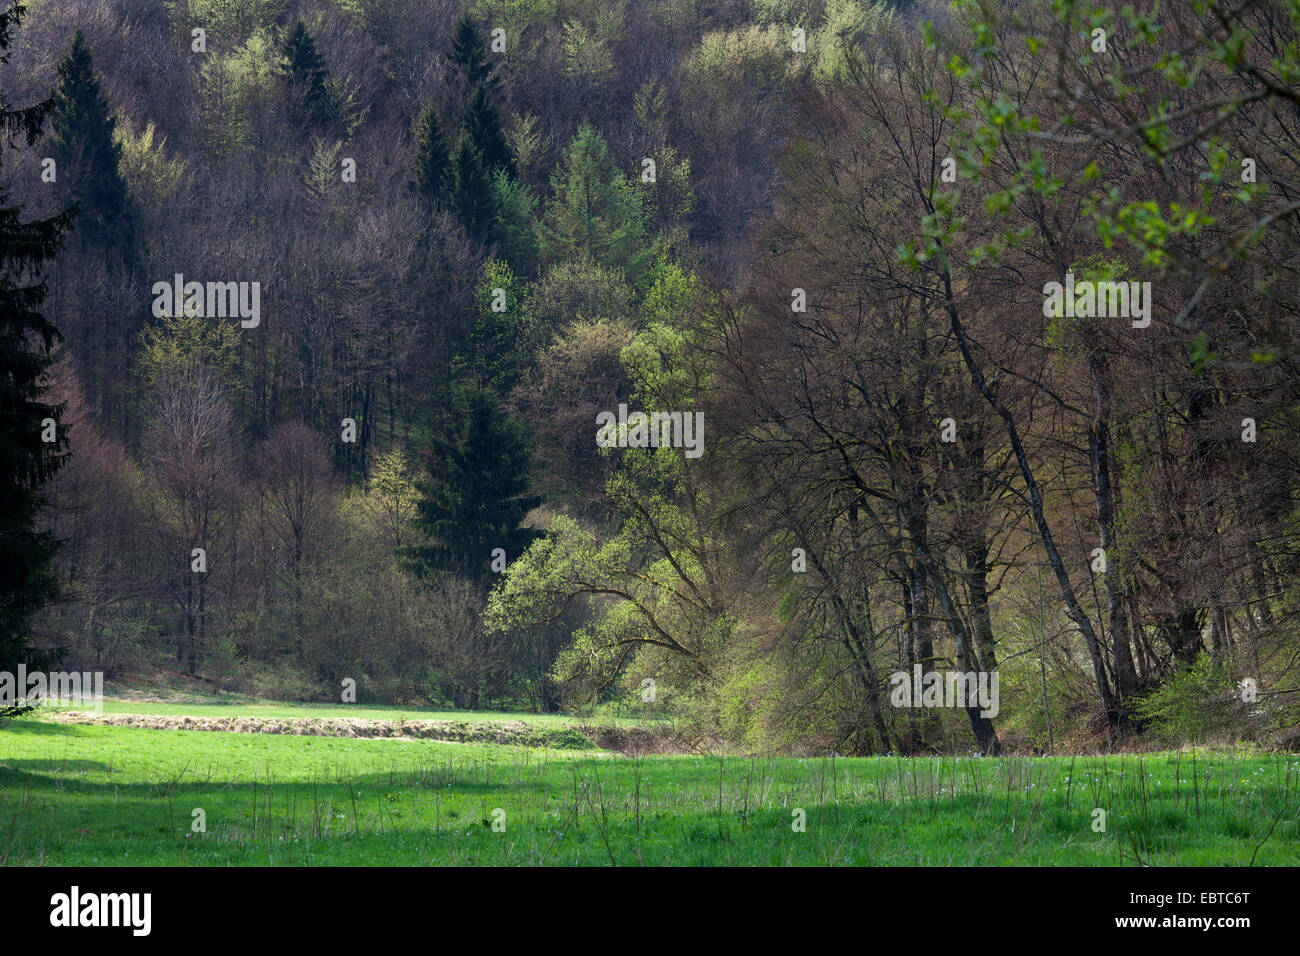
(100, 795)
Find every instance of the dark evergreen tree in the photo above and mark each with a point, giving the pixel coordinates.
(467, 60)
(472, 81)
(27, 578)
(433, 173)
(304, 71)
(302, 61)
(82, 144)
(474, 495)
(483, 123)
(472, 196)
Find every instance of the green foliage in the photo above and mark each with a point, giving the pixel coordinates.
(754, 57)
(501, 339)
(483, 126)
(229, 22)
(178, 344)
(1156, 231)
(1064, 332)
(673, 293)
(481, 150)
(670, 200)
(321, 180)
(658, 615)
(1197, 704)
(381, 310)
(525, 143)
(594, 212)
(638, 615)
(656, 361)
(578, 290)
(847, 23)
(150, 174)
(221, 658)
(467, 60)
(391, 497)
(235, 91)
(587, 55)
(515, 227)
(650, 106)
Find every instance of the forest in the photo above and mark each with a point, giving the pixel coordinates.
(740, 362)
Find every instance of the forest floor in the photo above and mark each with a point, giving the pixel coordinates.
(95, 794)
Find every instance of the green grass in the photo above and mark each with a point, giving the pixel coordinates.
(94, 795)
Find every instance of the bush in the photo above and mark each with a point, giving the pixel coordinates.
(1198, 704)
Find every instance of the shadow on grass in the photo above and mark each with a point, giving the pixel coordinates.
(32, 726)
(39, 768)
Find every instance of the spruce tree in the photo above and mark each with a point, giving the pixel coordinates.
(514, 227)
(433, 172)
(472, 196)
(86, 154)
(474, 495)
(483, 123)
(470, 75)
(27, 578)
(304, 70)
(467, 60)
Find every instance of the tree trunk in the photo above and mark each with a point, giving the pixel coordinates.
(1126, 683)
(1075, 612)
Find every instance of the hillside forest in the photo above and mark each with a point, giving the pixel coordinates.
(713, 360)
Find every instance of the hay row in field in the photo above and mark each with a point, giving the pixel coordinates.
(511, 732)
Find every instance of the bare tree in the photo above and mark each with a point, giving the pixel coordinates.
(191, 451)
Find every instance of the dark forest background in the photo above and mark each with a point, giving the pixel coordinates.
(826, 226)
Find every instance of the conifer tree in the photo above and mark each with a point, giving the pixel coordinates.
(472, 195)
(433, 172)
(514, 227)
(86, 153)
(500, 342)
(483, 123)
(595, 212)
(474, 495)
(305, 72)
(467, 60)
(470, 75)
(27, 460)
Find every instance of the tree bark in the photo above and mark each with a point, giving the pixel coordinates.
(1073, 609)
(1126, 683)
